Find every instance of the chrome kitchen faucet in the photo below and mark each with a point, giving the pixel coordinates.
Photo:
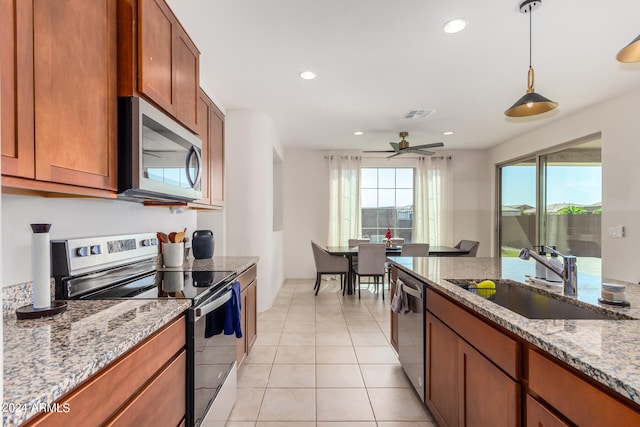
(568, 273)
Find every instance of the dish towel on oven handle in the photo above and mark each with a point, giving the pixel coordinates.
(400, 301)
(232, 322)
(227, 320)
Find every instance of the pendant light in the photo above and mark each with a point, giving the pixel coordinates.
(631, 53)
(531, 103)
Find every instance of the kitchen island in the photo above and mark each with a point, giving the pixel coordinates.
(602, 351)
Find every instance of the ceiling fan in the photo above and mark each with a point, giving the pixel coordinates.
(403, 147)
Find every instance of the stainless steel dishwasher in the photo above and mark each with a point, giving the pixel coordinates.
(411, 330)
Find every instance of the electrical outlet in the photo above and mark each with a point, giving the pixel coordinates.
(616, 232)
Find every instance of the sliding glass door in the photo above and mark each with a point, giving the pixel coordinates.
(572, 203)
(554, 199)
(517, 207)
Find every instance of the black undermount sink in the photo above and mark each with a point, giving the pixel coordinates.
(532, 304)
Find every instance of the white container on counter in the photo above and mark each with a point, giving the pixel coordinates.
(173, 254)
(41, 266)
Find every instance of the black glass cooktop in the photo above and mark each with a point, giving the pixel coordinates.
(165, 284)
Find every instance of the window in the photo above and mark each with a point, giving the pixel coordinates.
(387, 202)
(554, 199)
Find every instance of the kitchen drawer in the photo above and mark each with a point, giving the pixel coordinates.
(575, 398)
(161, 402)
(539, 416)
(247, 277)
(498, 347)
(101, 395)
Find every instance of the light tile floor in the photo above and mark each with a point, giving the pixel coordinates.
(325, 361)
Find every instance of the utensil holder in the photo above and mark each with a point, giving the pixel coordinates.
(173, 254)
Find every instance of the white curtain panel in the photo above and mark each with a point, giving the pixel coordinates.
(440, 201)
(344, 198)
(420, 232)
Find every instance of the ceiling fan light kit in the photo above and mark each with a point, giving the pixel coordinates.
(631, 52)
(531, 103)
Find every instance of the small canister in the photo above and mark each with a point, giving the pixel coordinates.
(202, 244)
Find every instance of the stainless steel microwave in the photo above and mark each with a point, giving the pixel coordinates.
(158, 158)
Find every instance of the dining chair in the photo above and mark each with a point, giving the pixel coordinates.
(353, 243)
(468, 245)
(397, 241)
(329, 264)
(371, 264)
(356, 242)
(409, 249)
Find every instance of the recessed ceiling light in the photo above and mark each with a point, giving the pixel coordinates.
(448, 132)
(358, 133)
(308, 75)
(454, 25)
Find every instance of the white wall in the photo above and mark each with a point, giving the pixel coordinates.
(216, 222)
(250, 141)
(618, 122)
(74, 218)
(472, 208)
(306, 203)
(306, 210)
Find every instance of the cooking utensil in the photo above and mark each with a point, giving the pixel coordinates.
(179, 236)
(163, 237)
(172, 237)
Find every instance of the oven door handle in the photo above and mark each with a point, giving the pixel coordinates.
(200, 312)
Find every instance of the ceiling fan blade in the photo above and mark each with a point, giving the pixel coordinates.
(393, 155)
(378, 151)
(433, 145)
(423, 152)
(396, 146)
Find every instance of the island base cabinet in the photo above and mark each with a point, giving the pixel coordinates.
(463, 387)
(487, 396)
(574, 398)
(539, 416)
(442, 371)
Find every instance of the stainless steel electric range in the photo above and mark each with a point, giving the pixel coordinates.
(126, 266)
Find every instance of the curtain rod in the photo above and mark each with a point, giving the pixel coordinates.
(414, 157)
(382, 158)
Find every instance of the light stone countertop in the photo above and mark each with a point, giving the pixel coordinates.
(45, 358)
(606, 350)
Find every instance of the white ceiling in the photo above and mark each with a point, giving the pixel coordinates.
(378, 59)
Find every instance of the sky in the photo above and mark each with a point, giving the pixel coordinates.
(565, 184)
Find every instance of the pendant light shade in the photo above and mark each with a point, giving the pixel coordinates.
(531, 103)
(631, 53)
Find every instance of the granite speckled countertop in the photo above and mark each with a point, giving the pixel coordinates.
(606, 350)
(46, 358)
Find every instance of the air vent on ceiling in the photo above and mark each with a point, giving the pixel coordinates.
(418, 114)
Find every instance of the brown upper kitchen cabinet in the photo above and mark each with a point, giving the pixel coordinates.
(211, 131)
(59, 96)
(156, 58)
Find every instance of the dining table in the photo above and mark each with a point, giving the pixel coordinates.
(351, 251)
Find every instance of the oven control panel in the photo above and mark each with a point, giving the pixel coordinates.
(75, 256)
